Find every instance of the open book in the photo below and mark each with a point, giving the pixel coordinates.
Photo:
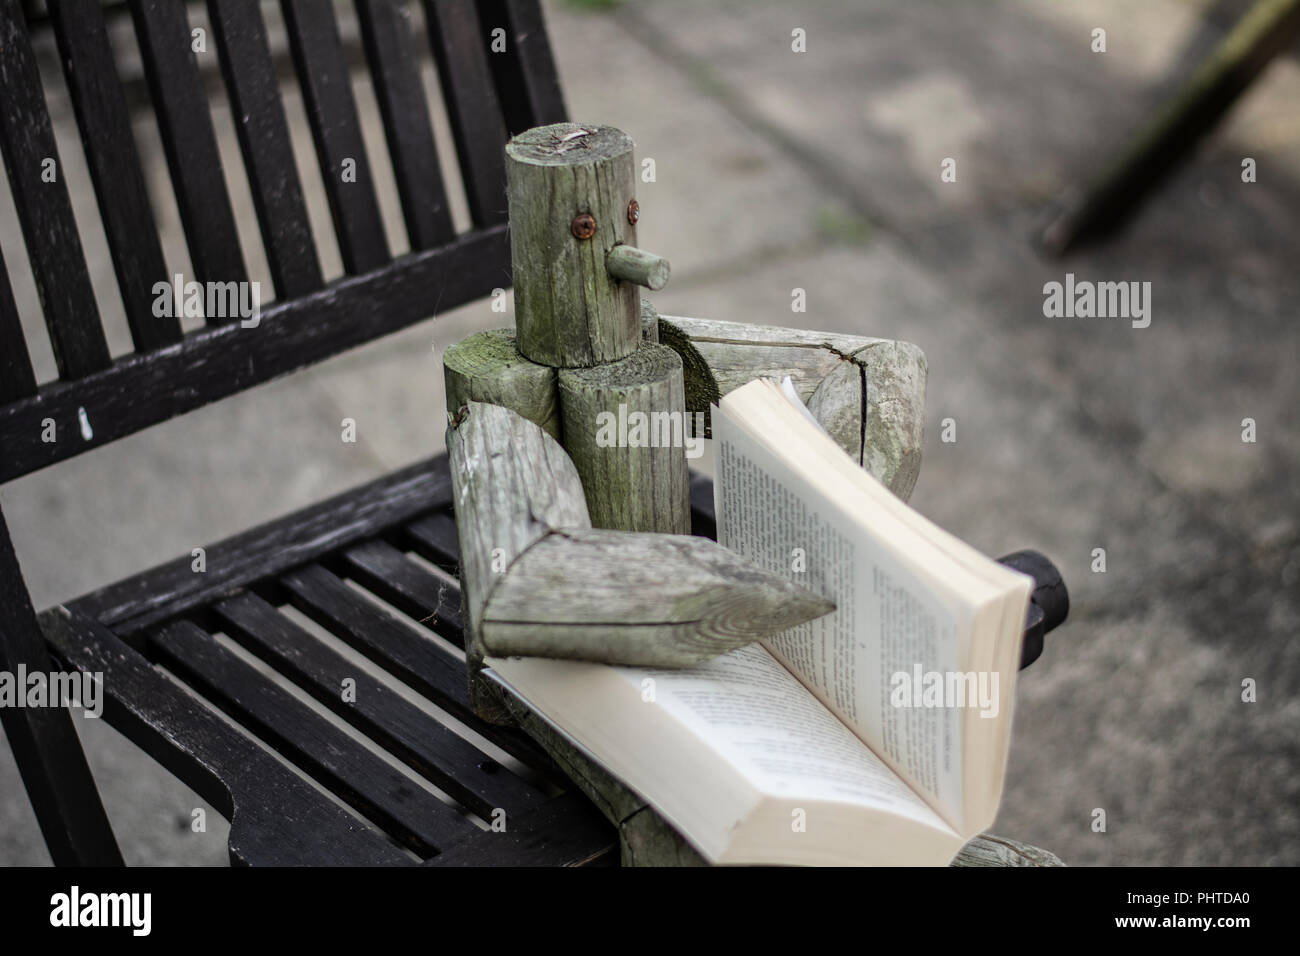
(877, 734)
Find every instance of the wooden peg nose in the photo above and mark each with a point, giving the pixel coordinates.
(630, 264)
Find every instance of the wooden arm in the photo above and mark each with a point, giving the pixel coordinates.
(868, 393)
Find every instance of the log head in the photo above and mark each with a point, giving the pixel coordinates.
(572, 192)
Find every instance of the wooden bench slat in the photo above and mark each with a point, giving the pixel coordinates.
(189, 142)
(45, 210)
(445, 758)
(423, 664)
(141, 390)
(566, 831)
(395, 70)
(275, 816)
(173, 588)
(526, 80)
(17, 379)
(434, 538)
(413, 590)
(459, 48)
(115, 170)
(332, 112)
(411, 815)
(264, 141)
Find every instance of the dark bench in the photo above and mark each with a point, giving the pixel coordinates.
(213, 719)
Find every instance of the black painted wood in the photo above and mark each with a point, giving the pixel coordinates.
(412, 589)
(460, 50)
(174, 588)
(395, 69)
(189, 141)
(443, 757)
(527, 84)
(410, 814)
(433, 537)
(420, 662)
(332, 113)
(115, 170)
(424, 664)
(44, 209)
(566, 831)
(17, 380)
(703, 522)
(139, 391)
(44, 741)
(264, 141)
(276, 818)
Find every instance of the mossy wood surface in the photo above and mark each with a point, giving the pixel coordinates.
(487, 367)
(635, 478)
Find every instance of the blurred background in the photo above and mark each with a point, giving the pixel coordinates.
(820, 170)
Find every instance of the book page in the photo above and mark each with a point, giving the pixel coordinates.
(887, 620)
(757, 716)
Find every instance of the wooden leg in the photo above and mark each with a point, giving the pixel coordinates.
(44, 741)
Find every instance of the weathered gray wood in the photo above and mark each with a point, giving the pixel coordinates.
(830, 371)
(511, 484)
(569, 310)
(630, 264)
(625, 426)
(487, 367)
(537, 580)
(649, 323)
(647, 839)
(989, 850)
(649, 600)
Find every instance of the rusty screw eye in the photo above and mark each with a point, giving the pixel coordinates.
(583, 225)
(633, 211)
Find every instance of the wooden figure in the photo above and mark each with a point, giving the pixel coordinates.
(588, 351)
(576, 547)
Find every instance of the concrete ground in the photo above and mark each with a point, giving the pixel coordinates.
(821, 170)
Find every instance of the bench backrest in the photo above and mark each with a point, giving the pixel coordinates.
(497, 78)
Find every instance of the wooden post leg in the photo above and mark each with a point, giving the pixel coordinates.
(44, 741)
(625, 426)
